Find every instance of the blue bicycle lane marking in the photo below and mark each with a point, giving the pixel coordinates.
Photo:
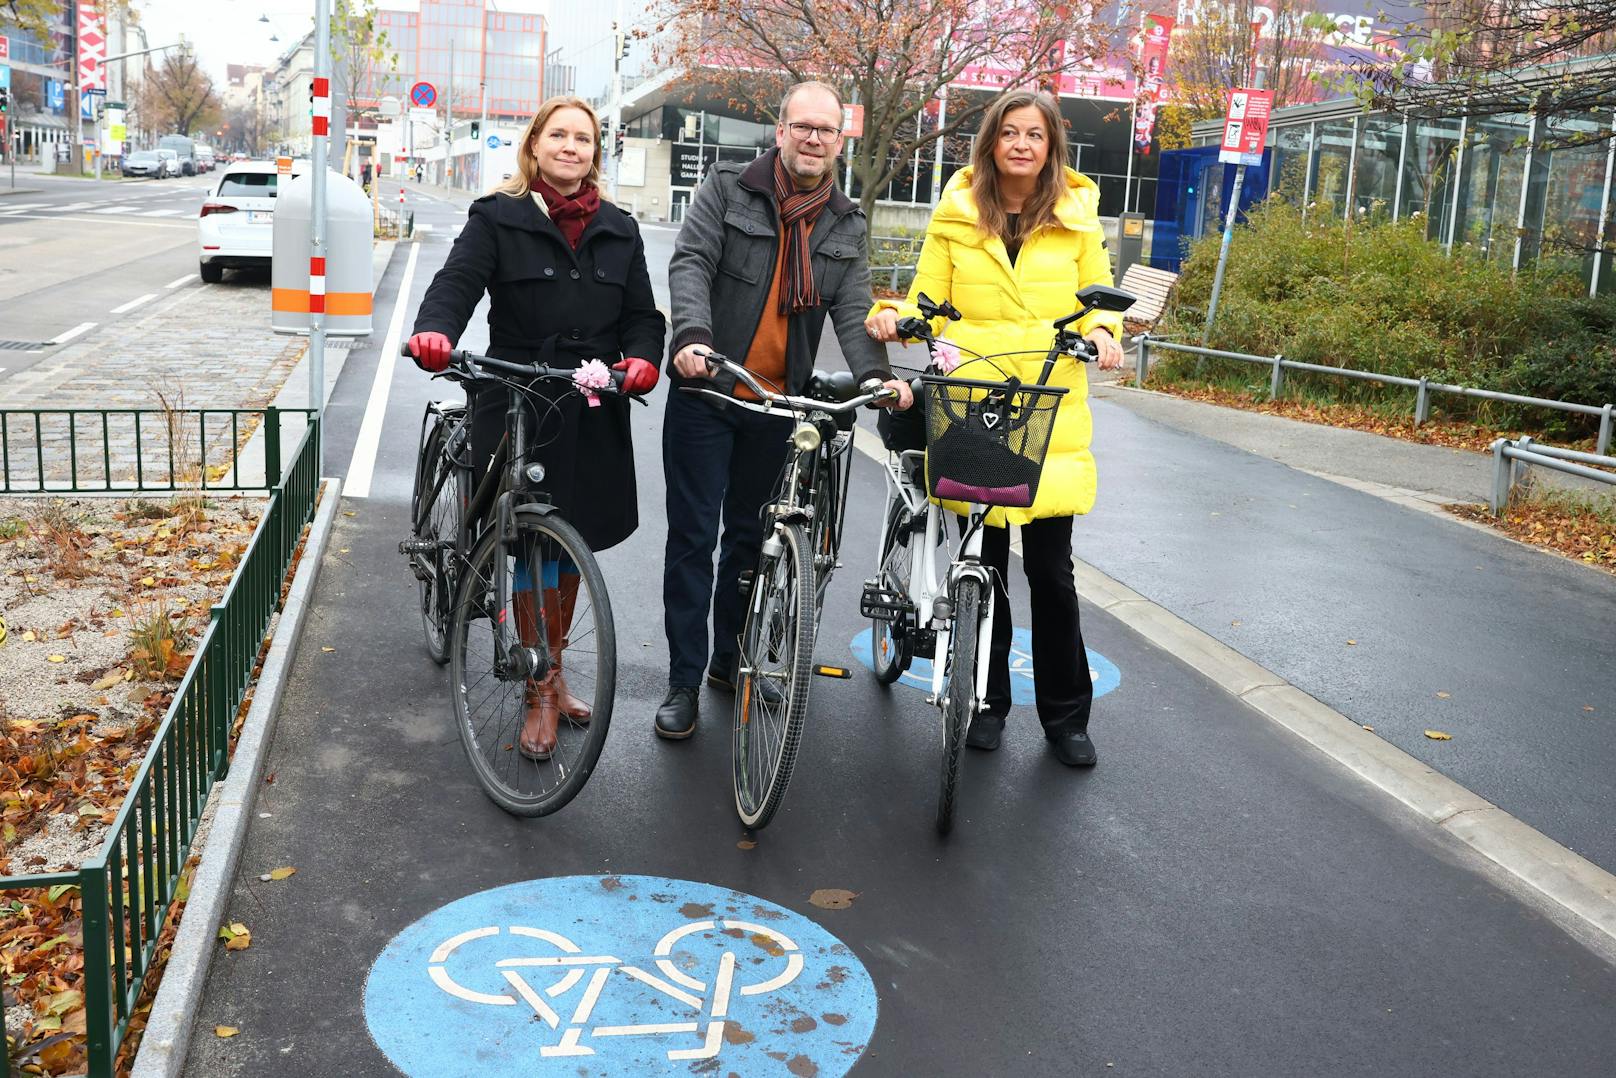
(1102, 671)
(618, 975)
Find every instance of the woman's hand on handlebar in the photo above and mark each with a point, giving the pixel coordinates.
(1106, 349)
(691, 361)
(639, 375)
(905, 398)
(883, 325)
(430, 351)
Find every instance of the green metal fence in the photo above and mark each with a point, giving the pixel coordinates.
(127, 888)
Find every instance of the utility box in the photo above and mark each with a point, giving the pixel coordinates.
(1130, 241)
(347, 284)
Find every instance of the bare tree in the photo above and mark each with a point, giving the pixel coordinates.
(1215, 50)
(178, 96)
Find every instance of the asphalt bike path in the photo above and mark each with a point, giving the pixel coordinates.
(1214, 898)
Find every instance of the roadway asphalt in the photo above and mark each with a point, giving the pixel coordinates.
(1214, 898)
(75, 253)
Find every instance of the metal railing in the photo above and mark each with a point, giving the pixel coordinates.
(125, 890)
(1509, 453)
(899, 276)
(1423, 387)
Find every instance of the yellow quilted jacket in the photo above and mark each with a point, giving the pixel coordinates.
(1012, 308)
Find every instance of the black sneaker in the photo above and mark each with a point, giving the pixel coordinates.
(676, 718)
(1074, 750)
(985, 731)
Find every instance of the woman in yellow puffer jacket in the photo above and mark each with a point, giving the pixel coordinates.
(1013, 238)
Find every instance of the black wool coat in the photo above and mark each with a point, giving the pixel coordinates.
(551, 304)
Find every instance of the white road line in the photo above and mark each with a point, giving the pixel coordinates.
(81, 328)
(162, 213)
(363, 463)
(73, 207)
(23, 206)
(132, 304)
(116, 209)
(187, 279)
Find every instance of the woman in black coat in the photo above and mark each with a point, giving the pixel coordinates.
(566, 279)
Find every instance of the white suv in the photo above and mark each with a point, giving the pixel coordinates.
(236, 223)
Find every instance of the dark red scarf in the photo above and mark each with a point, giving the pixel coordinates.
(571, 213)
(799, 210)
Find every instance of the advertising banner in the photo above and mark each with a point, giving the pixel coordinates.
(92, 48)
(1157, 37)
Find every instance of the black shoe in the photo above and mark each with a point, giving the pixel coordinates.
(721, 674)
(1073, 750)
(676, 718)
(985, 731)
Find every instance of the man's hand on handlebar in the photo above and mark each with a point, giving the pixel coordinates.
(691, 361)
(430, 351)
(1106, 349)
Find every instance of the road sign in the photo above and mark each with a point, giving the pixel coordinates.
(494, 142)
(423, 95)
(853, 121)
(5, 48)
(1102, 671)
(283, 166)
(1245, 127)
(423, 116)
(618, 975)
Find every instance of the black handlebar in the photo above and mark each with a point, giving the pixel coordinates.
(472, 364)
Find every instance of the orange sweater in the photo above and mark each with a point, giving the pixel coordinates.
(766, 359)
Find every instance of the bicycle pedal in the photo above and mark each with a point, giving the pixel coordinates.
(883, 603)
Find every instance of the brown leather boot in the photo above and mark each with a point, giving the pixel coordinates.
(537, 740)
(559, 606)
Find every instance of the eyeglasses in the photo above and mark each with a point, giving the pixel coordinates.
(803, 132)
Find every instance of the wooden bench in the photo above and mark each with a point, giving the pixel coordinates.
(1152, 287)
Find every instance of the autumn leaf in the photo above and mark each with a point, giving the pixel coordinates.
(235, 936)
(107, 681)
(1352, 643)
(57, 658)
(1443, 695)
(225, 1032)
(328, 650)
(1438, 735)
(29, 636)
(746, 844)
(278, 874)
(832, 898)
(150, 581)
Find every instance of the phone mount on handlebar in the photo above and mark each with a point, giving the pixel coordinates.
(931, 309)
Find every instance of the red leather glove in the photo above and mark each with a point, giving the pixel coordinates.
(640, 377)
(431, 351)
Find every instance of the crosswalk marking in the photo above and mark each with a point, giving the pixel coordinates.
(162, 213)
(116, 209)
(22, 206)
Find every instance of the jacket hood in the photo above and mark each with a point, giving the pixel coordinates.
(1078, 207)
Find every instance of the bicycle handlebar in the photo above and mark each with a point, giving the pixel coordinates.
(473, 365)
(874, 391)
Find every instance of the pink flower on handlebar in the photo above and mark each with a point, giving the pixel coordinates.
(946, 357)
(591, 376)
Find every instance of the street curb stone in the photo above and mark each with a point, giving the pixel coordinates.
(168, 1029)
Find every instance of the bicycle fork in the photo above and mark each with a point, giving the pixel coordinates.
(967, 565)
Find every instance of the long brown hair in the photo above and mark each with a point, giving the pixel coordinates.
(1038, 211)
(527, 166)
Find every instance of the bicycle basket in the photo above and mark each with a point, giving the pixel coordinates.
(987, 440)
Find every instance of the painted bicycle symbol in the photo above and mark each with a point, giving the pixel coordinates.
(709, 1004)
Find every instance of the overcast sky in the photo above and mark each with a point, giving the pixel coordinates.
(229, 31)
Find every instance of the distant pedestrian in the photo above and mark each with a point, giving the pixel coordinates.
(364, 176)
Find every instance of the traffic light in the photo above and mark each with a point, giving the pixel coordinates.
(5, 99)
(476, 129)
(622, 40)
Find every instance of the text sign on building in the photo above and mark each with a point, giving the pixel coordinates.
(690, 163)
(1245, 127)
(424, 95)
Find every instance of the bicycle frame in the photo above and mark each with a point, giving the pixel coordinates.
(931, 596)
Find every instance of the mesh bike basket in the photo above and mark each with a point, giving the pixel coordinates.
(986, 441)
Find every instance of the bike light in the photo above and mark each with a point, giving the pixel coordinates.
(806, 437)
(535, 473)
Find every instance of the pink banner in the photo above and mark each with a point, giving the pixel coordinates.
(92, 48)
(1153, 86)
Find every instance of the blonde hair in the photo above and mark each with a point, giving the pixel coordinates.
(1038, 211)
(527, 166)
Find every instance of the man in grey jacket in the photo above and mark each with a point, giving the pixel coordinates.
(765, 252)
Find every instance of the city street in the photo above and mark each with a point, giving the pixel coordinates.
(1217, 897)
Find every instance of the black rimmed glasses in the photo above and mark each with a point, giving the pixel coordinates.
(803, 132)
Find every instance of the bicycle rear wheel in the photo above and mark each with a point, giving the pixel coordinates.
(440, 481)
(776, 657)
(489, 702)
(891, 639)
(959, 704)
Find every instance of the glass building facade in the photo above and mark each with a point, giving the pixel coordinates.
(497, 51)
(1511, 188)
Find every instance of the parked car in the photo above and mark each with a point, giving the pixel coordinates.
(236, 225)
(170, 164)
(204, 158)
(144, 163)
(184, 149)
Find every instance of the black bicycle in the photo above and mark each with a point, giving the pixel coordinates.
(511, 596)
(785, 594)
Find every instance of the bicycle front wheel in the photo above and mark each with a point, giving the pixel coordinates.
(571, 624)
(776, 657)
(436, 505)
(959, 704)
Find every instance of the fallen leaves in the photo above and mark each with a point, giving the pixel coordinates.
(56, 658)
(1438, 735)
(1577, 533)
(748, 844)
(1352, 643)
(278, 874)
(1443, 695)
(236, 936)
(832, 898)
(225, 1032)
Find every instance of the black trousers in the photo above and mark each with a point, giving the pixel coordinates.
(719, 462)
(1061, 682)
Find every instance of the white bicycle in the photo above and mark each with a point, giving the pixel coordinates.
(931, 596)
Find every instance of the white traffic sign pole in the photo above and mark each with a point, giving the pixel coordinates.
(1228, 237)
(321, 128)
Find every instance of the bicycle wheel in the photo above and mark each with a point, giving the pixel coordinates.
(437, 478)
(959, 704)
(776, 657)
(891, 641)
(489, 704)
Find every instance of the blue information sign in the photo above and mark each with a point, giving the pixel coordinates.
(632, 975)
(493, 142)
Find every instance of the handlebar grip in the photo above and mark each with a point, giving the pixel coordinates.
(914, 328)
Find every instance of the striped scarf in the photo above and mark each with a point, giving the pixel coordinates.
(799, 210)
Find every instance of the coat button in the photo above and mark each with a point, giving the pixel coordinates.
(574, 274)
(575, 334)
(600, 274)
(549, 271)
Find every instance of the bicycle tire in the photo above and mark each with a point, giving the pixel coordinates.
(436, 594)
(892, 645)
(778, 639)
(516, 783)
(959, 703)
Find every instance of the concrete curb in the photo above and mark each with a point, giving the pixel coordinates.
(9, 191)
(1571, 883)
(168, 1030)
(1582, 893)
